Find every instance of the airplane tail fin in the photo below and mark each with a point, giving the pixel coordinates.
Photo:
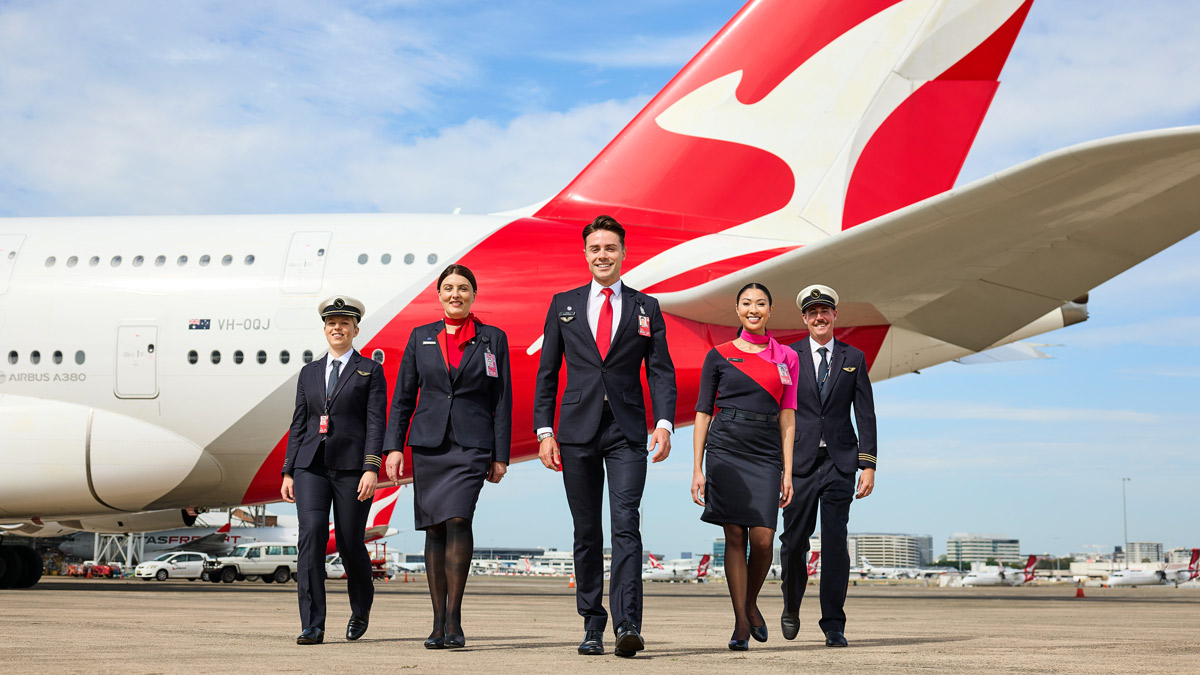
(383, 506)
(702, 568)
(800, 119)
(654, 562)
(1030, 566)
(812, 563)
(1194, 565)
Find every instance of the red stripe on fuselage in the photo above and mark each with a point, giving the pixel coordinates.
(716, 270)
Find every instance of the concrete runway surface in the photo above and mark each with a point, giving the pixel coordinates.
(529, 625)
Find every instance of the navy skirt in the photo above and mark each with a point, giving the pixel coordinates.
(446, 482)
(743, 467)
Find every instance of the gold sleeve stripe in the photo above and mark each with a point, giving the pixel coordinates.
(866, 458)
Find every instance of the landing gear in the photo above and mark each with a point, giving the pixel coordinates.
(20, 567)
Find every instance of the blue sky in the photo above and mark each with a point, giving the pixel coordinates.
(414, 106)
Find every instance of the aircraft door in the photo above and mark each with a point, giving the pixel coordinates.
(10, 245)
(304, 270)
(137, 359)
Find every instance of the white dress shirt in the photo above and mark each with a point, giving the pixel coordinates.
(816, 359)
(344, 359)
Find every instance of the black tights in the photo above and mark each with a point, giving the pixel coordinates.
(448, 549)
(744, 579)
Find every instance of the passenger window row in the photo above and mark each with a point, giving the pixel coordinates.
(193, 356)
(139, 260)
(386, 259)
(35, 357)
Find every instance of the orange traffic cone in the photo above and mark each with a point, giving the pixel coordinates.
(406, 576)
(1079, 592)
(571, 583)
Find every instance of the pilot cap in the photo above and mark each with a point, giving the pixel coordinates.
(817, 295)
(341, 305)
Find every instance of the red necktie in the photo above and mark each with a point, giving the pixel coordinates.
(604, 328)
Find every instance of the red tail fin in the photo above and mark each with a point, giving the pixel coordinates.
(224, 529)
(812, 563)
(1030, 565)
(1194, 565)
(702, 568)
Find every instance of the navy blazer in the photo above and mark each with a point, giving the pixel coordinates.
(476, 406)
(828, 414)
(618, 375)
(357, 417)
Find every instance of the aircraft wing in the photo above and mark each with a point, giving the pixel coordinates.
(214, 544)
(975, 264)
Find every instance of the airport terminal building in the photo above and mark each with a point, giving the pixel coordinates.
(967, 548)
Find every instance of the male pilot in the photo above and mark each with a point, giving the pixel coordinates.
(333, 457)
(833, 376)
(606, 331)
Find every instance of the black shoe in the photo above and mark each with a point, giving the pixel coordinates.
(311, 636)
(435, 643)
(356, 627)
(593, 643)
(790, 621)
(759, 633)
(629, 641)
(454, 641)
(739, 645)
(835, 638)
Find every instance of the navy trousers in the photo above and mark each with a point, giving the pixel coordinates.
(318, 487)
(824, 485)
(584, 467)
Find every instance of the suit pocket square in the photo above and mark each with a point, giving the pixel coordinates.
(363, 373)
(850, 370)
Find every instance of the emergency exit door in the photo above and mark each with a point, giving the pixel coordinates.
(137, 359)
(304, 270)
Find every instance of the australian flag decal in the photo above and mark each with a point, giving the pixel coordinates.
(199, 324)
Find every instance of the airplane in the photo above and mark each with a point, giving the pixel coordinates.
(776, 571)
(683, 569)
(539, 570)
(1160, 577)
(806, 141)
(1002, 576)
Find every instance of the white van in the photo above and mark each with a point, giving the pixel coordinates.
(272, 562)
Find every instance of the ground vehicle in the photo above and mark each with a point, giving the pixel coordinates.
(273, 562)
(177, 564)
(334, 568)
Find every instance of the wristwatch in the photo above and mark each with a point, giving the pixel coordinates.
(544, 435)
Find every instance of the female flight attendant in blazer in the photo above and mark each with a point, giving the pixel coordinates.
(750, 383)
(453, 404)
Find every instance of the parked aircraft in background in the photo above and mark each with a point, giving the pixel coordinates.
(1002, 576)
(1160, 577)
(821, 137)
(681, 569)
(530, 568)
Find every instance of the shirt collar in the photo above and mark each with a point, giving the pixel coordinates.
(596, 287)
(814, 346)
(344, 358)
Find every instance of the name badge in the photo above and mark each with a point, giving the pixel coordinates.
(644, 326)
(429, 341)
(489, 359)
(324, 425)
(784, 376)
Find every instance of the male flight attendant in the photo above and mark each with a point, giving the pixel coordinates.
(833, 376)
(333, 457)
(606, 331)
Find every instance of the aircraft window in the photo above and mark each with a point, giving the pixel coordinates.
(205, 259)
(216, 357)
(12, 255)
(308, 356)
(57, 357)
(160, 261)
(73, 261)
(238, 356)
(93, 261)
(35, 357)
(249, 260)
(284, 356)
(408, 258)
(432, 258)
(227, 260)
(262, 356)
(377, 356)
(362, 258)
(193, 357)
(385, 258)
(80, 357)
(138, 260)
(12, 357)
(181, 261)
(50, 261)
(116, 261)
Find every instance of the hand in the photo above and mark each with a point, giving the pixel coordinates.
(866, 483)
(785, 490)
(698, 487)
(662, 439)
(394, 466)
(548, 453)
(366, 485)
(288, 489)
(496, 472)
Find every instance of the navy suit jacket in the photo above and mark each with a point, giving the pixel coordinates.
(476, 406)
(357, 417)
(589, 378)
(828, 415)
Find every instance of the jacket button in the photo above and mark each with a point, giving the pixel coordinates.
(452, 396)
(604, 370)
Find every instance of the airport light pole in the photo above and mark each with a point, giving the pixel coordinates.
(1125, 517)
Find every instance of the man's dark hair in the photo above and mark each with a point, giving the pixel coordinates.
(604, 223)
(460, 270)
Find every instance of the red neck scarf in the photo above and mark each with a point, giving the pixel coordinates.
(774, 350)
(465, 333)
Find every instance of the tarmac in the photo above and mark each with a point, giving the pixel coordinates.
(529, 625)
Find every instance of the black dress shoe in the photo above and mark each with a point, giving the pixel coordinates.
(356, 627)
(435, 643)
(629, 641)
(593, 643)
(835, 638)
(790, 621)
(311, 636)
(454, 641)
(739, 645)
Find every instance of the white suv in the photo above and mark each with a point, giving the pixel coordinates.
(273, 562)
(179, 564)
